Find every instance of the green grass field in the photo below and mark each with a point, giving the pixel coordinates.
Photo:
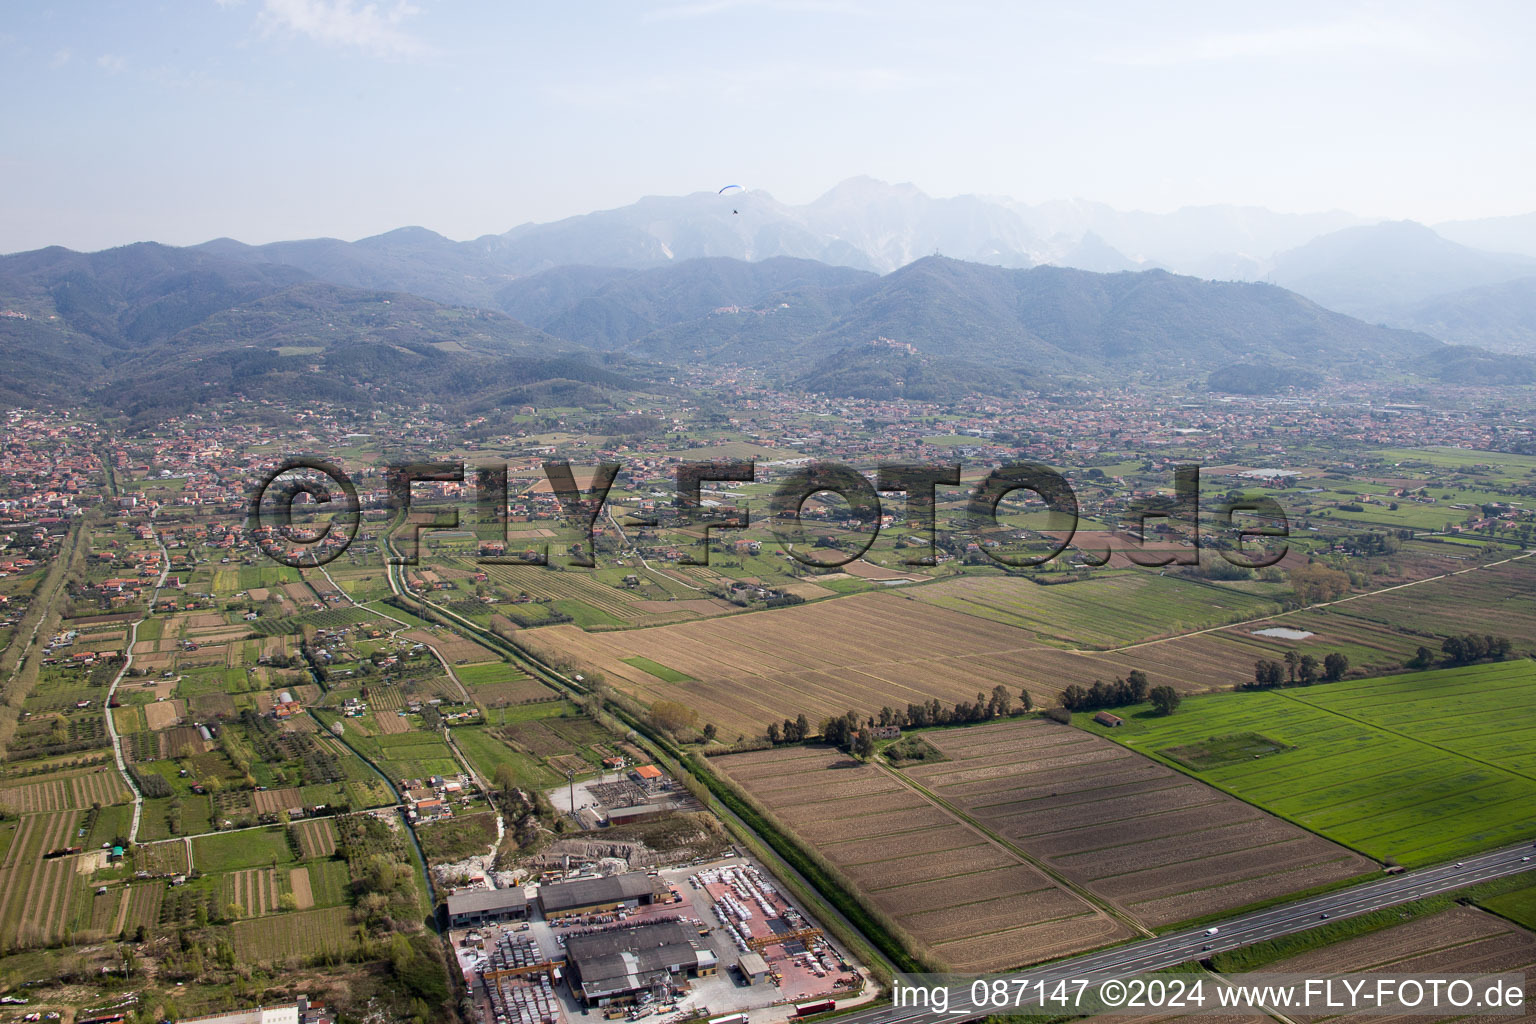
(660, 671)
(1423, 767)
(489, 672)
(249, 848)
(328, 882)
(1519, 906)
(486, 752)
(1106, 610)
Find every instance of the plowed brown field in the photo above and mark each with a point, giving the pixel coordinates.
(1160, 845)
(967, 900)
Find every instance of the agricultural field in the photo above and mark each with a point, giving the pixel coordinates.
(487, 751)
(166, 858)
(234, 851)
(328, 883)
(857, 652)
(870, 650)
(1161, 846)
(276, 937)
(61, 791)
(1421, 767)
(662, 672)
(540, 743)
(37, 891)
(408, 754)
(591, 600)
(256, 891)
(1110, 608)
(317, 837)
(965, 899)
(1461, 940)
(1499, 599)
(1519, 905)
(861, 652)
(499, 684)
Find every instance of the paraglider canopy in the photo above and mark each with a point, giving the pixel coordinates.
(732, 189)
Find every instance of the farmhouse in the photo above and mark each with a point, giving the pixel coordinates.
(615, 966)
(481, 905)
(1105, 718)
(594, 895)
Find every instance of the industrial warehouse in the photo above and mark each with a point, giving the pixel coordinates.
(677, 944)
(619, 964)
(486, 906)
(596, 895)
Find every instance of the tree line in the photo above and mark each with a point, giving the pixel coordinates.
(845, 730)
(1296, 670)
(1465, 649)
(1135, 688)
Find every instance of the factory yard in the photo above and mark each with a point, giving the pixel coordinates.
(718, 919)
(966, 899)
(1161, 846)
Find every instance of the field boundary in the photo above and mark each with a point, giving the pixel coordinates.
(1114, 910)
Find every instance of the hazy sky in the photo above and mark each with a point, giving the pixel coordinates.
(184, 120)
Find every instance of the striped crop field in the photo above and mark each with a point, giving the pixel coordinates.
(36, 891)
(1423, 767)
(1108, 609)
(1162, 846)
(317, 837)
(282, 935)
(964, 899)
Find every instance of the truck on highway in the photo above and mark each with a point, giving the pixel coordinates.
(811, 1009)
(1212, 931)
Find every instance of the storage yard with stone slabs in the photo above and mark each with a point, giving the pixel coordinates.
(1162, 846)
(967, 900)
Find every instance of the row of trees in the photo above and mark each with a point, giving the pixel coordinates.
(1470, 647)
(1133, 689)
(1297, 670)
(844, 729)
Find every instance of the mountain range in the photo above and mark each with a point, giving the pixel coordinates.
(843, 295)
(1379, 271)
(149, 331)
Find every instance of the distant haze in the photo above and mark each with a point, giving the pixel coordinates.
(271, 119)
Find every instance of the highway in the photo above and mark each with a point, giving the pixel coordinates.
(1179, 947)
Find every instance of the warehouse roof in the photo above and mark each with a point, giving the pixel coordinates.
(586, 892)
(621, 940)
(481, 901)
(627, 959)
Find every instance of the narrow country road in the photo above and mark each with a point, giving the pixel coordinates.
(133, 639)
